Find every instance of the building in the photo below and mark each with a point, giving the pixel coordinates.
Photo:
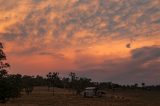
(92, 92)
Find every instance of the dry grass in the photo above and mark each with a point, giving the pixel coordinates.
(41, 97)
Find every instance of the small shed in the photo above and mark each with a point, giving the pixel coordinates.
(93, 92)
(90, 92)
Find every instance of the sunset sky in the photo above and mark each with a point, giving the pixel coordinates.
(106, 40)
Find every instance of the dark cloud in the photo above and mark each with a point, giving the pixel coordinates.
(26, 51)
(53, 54)
(146, 53)
(37, 1)
(143, 66)
(8, 36)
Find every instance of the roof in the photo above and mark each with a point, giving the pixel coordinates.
(90, 88)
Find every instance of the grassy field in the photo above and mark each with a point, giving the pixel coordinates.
(41, 97)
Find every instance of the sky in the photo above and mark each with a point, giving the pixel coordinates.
(106, 40)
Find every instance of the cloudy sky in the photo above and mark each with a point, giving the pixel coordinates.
(107, 40)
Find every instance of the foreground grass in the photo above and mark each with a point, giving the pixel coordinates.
(41, 97)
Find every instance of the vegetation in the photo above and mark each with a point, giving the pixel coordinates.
(27, 84)
(53, 80)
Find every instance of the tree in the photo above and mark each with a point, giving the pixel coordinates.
(52, 78)
(65, 82)
(143, 85)
(28, 84)
(3, 73)
(4, 84)
(73, 80)
(81, 84)
(72, 76)
(135, 85)
(10, 85)
(39, 81)
(78, 84)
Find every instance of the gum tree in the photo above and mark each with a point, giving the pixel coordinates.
(10, 85)
(53, 79)
(4, 83)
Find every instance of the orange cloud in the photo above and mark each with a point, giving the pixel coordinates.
(46, 35)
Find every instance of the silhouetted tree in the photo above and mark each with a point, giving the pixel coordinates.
(72, 76)
(53, 78)
(135, 86)
(16, 85)
(81, 84)
(78, 84)
(4, 83)
(65, 82)
(73, 80)
(40, 81)
(143, 84)
(28, 82)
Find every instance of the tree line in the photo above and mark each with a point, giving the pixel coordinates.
(11, 86)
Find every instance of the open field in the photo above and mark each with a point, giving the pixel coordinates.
(41, 97)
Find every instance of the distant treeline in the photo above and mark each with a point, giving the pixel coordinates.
(11, 86)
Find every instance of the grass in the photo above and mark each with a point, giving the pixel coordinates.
(41, 97)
